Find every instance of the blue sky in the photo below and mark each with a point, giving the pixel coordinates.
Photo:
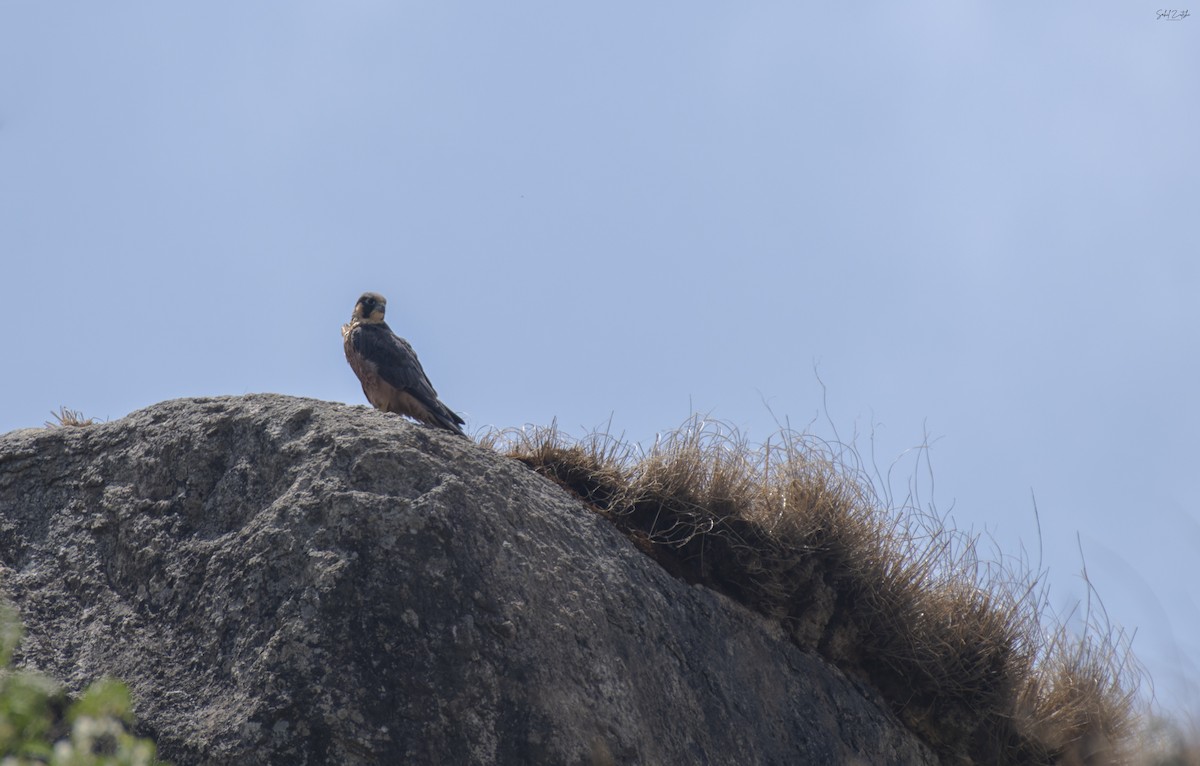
(976, 222)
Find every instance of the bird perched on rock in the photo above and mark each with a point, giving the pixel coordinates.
(388, 368)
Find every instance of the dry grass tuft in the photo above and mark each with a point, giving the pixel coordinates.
(963, 648)
(68, 418)
(1170, 742)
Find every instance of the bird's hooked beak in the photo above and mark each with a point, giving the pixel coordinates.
(370, 309)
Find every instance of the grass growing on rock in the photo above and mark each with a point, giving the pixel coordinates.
(67, 418)
(963, 647)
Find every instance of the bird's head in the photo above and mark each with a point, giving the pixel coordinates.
(370, 308)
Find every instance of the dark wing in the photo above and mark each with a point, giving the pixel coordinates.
(397, 364)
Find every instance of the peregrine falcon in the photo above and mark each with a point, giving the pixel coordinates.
(388, 368)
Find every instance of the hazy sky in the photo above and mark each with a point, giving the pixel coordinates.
(973, 221)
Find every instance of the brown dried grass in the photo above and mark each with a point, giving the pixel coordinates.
(1170, 741)
(66, 418)
(963, 647)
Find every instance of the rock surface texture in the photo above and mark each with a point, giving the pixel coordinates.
(290, 581)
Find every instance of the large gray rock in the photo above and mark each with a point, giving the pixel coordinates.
(289, 581)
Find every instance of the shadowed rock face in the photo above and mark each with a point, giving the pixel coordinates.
(290, 581)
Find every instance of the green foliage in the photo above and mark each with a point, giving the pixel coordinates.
(33, 727)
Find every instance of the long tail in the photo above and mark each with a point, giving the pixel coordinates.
(446, 418)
